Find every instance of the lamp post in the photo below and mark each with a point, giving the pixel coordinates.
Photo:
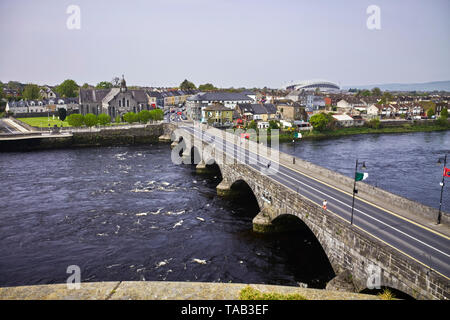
(354, 187)
(442, 187)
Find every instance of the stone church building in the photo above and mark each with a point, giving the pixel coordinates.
(114, 102)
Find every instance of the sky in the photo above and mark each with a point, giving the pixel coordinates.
(230, 43)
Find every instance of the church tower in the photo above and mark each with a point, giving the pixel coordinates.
(123, 85)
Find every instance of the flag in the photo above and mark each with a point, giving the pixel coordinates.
(446, 172)
(361, 176)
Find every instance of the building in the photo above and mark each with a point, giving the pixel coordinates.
(42, 106)
(47, 92)
(114, 102)
(196, 103)
(257, 111)
(217, 115)
(314, 85)
(292, 112)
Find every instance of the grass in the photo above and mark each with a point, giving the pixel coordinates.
(249, 293)
(386, 295)
(43, 122)
(340, 132)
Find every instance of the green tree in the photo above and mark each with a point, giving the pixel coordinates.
(62, 113)
(85, 86)
(187, 85)
(430, 112)
(104, 119)
(376, 92)
(144, 116)
(130, 117)
(118, 120)
(444, 113)
(322, 121)
(90, 120)
(156, 114)
(75, 120)
(2, 94)
(104, 85)
(206, 87)
(252, 125)
(31, 92)
(68, 88)
(273, 124)
(374, 123)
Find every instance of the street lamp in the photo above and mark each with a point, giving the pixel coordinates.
(442, 186)
(357, 178)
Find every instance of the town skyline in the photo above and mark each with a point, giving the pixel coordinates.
(253, 44)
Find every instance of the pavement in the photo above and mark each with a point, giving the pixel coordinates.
(163, 290)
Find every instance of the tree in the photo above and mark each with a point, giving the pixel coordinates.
(157, 114)
(62, 113)
(376, 92)
(68, 88)
(2, 94)
(115, 81)
(90, 120)
(31, 92)
(444, 113)
(75, 120)
(252, 125)
(374, 123)
(104, 119)
(206, 87)
(430, 112)
(322, 121)
(144, 116)
(187, 85)
(130, 117)
(85, 86)
(104, 85)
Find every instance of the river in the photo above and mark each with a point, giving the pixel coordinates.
(128, 213)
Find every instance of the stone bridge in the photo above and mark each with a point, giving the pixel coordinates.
(391, 242)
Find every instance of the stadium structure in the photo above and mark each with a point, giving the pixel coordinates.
(312, 85)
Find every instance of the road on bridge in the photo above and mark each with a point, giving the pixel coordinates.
(426, 246)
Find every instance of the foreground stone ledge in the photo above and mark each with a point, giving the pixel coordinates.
(157, 290)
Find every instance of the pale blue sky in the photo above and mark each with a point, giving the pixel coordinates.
(228, 43)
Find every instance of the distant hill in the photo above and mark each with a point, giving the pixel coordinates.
(427, 86)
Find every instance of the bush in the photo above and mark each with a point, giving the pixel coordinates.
(104, 119)
(374, 123)
(90, 120)
(118, 119)
(322, 121)
(130, 117)
(75, 120)
(144, 116)
(157, 114)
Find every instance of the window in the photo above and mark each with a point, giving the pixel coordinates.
(120, 103)
(128, 103)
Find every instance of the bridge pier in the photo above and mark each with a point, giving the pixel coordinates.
(201, 168)
(173, 144)
(165, 138)
(262, 222)
(224, 190)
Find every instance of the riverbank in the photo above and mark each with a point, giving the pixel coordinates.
(166, 290)
(97, 137)
(341, 132)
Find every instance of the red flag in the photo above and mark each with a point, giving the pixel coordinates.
(446, 172)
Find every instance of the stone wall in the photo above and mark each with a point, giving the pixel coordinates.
(347, 247)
